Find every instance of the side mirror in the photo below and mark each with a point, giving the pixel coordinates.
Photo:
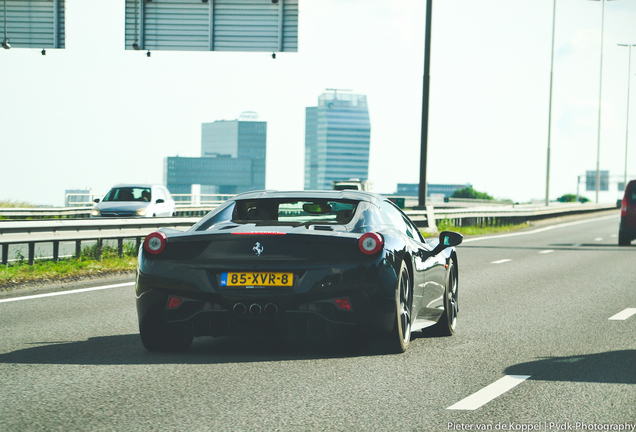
(96, 200)
(159, 201)
(450, 238)
(447, 239)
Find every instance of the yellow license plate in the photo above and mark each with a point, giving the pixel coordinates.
(249, 279)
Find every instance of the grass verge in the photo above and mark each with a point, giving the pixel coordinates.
(88, 264)
(447, 225)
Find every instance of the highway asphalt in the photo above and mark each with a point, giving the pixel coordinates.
(546, 340)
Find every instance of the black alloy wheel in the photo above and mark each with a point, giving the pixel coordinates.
(448, 321)
(401, 335)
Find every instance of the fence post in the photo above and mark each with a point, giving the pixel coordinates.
(430, 218)
(31, 252)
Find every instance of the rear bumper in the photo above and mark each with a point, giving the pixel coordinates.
(271, 316)
(309, 310)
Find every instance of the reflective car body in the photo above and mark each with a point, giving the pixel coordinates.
(627, 227)
(308, 264)
(135, 200)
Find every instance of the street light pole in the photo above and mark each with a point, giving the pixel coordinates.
(629, 65)
(547, 175)
(600, 92)
(425, 102)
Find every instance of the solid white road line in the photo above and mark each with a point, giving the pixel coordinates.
(551, 227)
(500, 261)
(490, 392)
(547, 251)
(66, 292)
(621, 316)
(598, 239)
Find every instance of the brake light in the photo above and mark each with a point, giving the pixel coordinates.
(155, 243)
(370, 243)
(174, 302)
(624, 207)
(343, 304)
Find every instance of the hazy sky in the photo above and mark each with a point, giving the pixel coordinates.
(93, 115)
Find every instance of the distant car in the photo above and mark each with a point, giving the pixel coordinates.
(352, 184)
(135, 200)
(627, 227)
(308, 265)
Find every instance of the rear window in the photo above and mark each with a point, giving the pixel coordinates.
(294, 212)
(128, 194)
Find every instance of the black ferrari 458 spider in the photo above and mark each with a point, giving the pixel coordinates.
(310, 264)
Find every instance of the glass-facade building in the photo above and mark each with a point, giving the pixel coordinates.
(337, 139)
(232, 160)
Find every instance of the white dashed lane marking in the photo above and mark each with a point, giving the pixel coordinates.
(547, 251)
(621, 316)
(489, 392)
(500, 261)
(53, 294)
(598, 239)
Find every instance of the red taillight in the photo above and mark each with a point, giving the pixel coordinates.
(155, 243)
(174, 302)
(370, 243)
(624, 207)
(343, 304)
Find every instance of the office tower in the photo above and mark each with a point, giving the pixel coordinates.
(232, 159)
(337, 137)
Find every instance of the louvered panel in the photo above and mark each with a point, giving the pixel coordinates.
(245, 25)
(290, 26)
(61, 24)
(33, 23)
(133, 22)
(218, 25)
(176, 25)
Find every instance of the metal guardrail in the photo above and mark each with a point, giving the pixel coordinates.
(78, 231)
(185, 210)
(99, 229)
(502, 215)
(87, 199)
(191, 205)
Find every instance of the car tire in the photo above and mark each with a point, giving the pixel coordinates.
(159, 336)
(623, 239)
(448, 321)
(400, 336)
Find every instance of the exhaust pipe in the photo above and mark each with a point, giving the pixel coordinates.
(271, 309)
(255, 309)
(239, 309)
